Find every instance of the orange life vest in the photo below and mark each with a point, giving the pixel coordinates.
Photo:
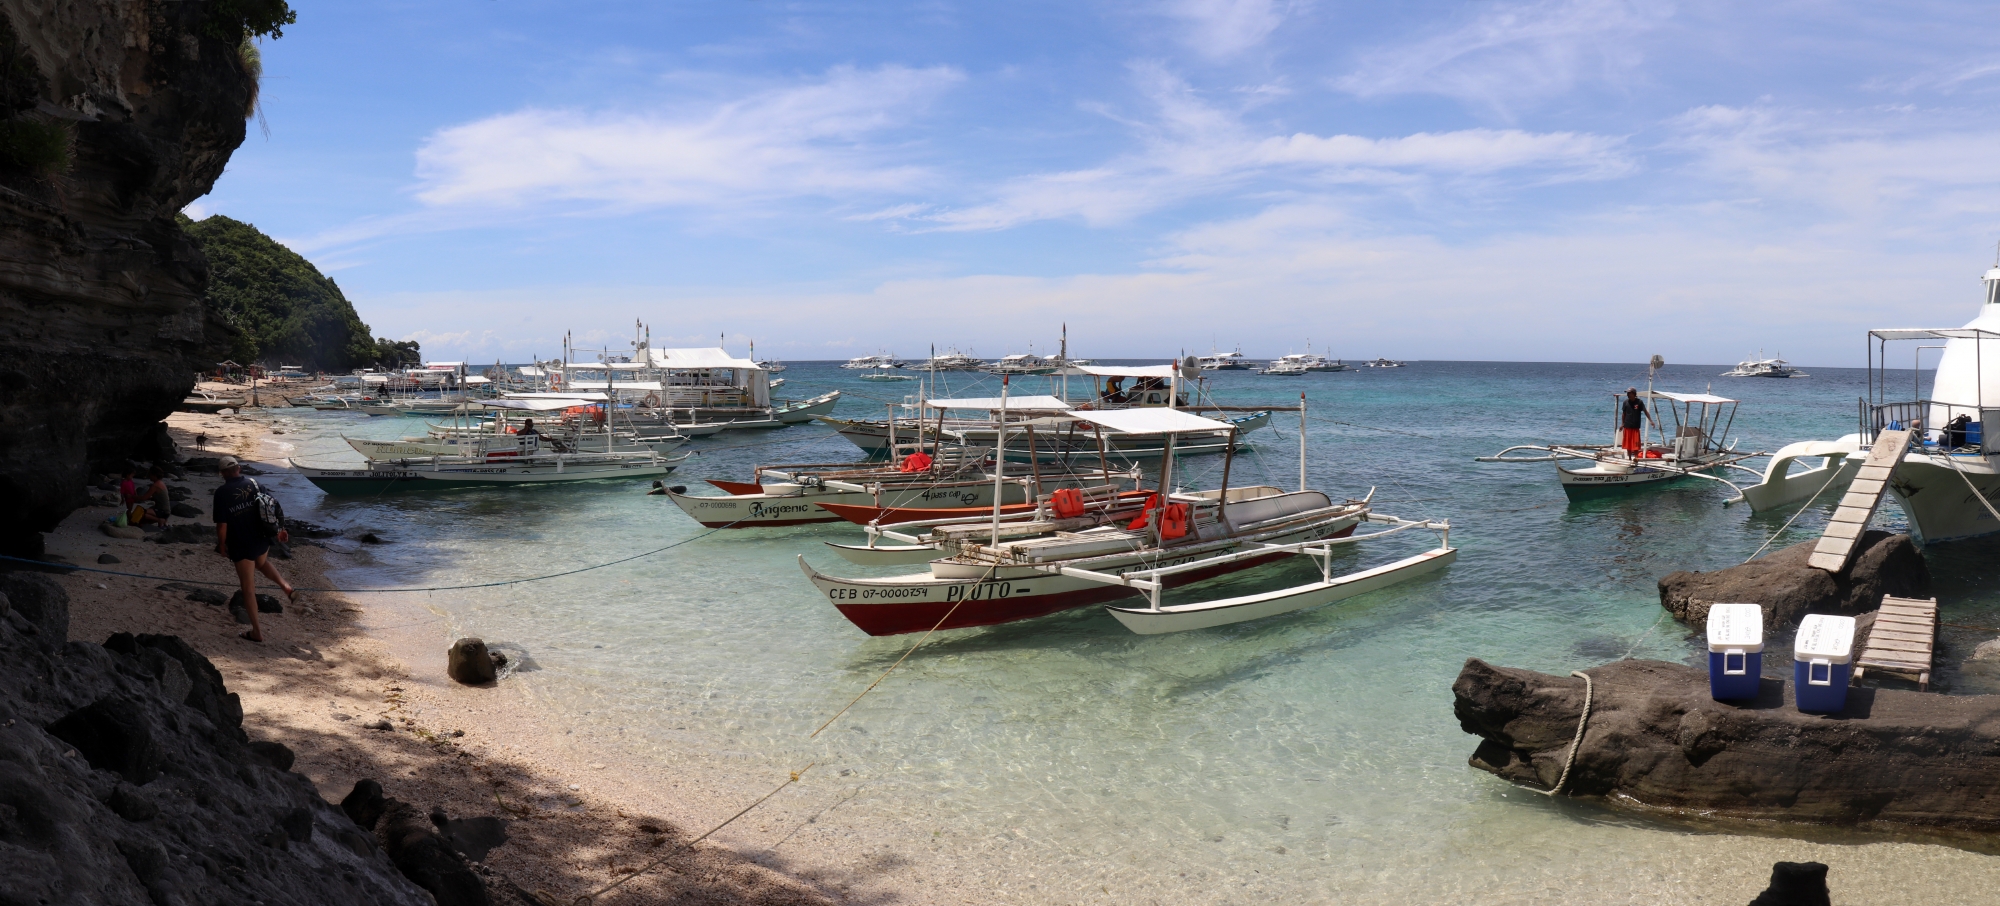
(1066, 502)
(1174, 521)
(1152, 501)
(915, 462)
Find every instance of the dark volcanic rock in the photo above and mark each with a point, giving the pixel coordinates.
(265, 603)
(124, 778)
(187, 511)
(42, 602)
(468, 662)
(424, 857)
(93, 266)
(1655, 740)
(1788, 589)
(365, 804)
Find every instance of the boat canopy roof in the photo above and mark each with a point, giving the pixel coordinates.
(1151, 421)
(621, 385)
(710, 357)
(575, 398)
(1709, 398)
(1021, 403)
(1939, 333)
(535, 405)
(1141, 371)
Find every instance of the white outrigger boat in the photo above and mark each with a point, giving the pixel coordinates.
(1948, 483)
(1697, 447)
(1764, 368)
(956, 478)
(494, 469)
(498, 435)
(1063, 555)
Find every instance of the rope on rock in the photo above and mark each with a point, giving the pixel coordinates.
(1582, 720)
(1833, 474)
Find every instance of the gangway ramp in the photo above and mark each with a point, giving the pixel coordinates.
(1842, 537)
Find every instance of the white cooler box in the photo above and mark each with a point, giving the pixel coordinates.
(1735, 650)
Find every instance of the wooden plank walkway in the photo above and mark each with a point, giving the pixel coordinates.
(1902, 640)
(1843, 535)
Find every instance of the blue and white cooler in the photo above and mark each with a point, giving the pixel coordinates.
(1823, 662)
(1735, 650)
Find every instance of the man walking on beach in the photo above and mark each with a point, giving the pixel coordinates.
(239, 535)
(1633, 409)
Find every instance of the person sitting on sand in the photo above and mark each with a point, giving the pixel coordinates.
(155, 504)
(239, 536)
(128, 490)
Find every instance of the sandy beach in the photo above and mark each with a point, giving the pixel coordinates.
(335, 667)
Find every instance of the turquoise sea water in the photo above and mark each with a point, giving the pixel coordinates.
(1306, 758)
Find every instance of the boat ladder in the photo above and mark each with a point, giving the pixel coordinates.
(1842, 538)
(1902, 640)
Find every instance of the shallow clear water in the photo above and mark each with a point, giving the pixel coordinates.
(1306, 757)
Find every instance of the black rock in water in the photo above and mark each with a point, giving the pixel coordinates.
(469, 662)
(1788, 589)
(1796, 884)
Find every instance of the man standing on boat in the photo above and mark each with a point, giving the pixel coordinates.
(1633, 409)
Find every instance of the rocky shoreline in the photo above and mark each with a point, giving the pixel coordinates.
(329, 691)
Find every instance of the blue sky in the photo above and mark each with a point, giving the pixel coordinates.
(1575, 181)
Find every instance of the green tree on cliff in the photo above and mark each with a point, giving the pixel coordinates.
(285, 311)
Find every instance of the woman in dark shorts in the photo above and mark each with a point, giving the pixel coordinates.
(239, 535)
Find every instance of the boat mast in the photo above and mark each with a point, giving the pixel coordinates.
(999, 462)
(1302, 443)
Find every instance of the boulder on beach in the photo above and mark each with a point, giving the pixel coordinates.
(1788, 589)
(469, 662)
(1655, 740)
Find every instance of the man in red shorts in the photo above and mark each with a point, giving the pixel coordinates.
(1633, 409)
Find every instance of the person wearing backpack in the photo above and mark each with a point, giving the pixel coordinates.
(247, 520)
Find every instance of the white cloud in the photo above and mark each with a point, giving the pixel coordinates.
(1513, 53)
(1192, 148)
(195, 210)
(1225, 28)
(1910, 171)
(803, 140)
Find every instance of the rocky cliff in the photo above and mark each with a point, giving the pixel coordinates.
(102, 322)
(126, 777)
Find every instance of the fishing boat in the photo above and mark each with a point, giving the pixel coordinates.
(206, 402)
(1948, 483)
(887, 374)
(1696, 447)
(1066, 441)
(1287, 366)
(1006, 568)
(951, 360)
(1764, 368)
(1387, 363)
(1225, 361)
(1023, 363)
(878, 360)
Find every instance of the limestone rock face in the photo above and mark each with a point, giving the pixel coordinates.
(126, 777)
(1788, 589)
(1655, 740)
(93, 267)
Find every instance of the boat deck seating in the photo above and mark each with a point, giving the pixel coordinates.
(1837, 545)
(1902, 640)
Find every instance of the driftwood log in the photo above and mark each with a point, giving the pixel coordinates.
(1655, 740)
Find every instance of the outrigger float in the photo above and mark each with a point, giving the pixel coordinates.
(1067, 553)
(1698, 446)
